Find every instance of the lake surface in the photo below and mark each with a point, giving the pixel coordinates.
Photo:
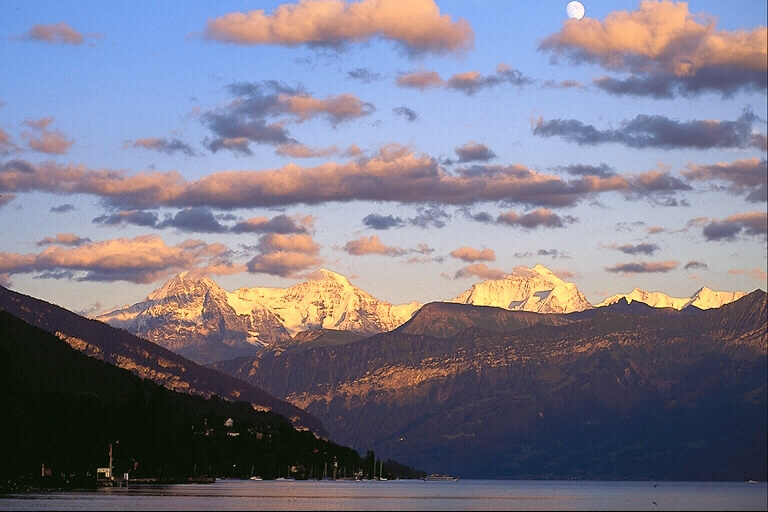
(407, 495)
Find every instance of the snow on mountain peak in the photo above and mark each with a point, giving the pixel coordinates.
(535, 289)
(703, 298)
(185, 283)
(333, 277)
(328, 302)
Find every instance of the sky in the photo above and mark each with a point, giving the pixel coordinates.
(416, 147)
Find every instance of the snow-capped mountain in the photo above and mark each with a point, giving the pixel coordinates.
(190, 315)
(535, 289)
(328, 302)
(195, 317)
(703, 298)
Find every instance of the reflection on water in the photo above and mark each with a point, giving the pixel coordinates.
(407, 495)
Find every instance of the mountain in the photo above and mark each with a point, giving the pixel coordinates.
(446, 319)
(326, 337)
(191, 316)
(65, 412)
(703, 298)
(609, 393)
(328, 302)
(144, 358)
(535, 289)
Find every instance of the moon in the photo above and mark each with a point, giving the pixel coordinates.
(575, 10)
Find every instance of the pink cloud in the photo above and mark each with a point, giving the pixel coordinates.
(372, 245)
(55, 33)
(416, 24)
(285, 255)
(667, 49)
(470, 254)
(44, 140)
(480, 270)
(143, 259)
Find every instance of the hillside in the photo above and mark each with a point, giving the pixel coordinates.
(628, 393)
(61, 410)
(145, 359)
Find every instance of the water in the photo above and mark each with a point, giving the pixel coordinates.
(407, 495)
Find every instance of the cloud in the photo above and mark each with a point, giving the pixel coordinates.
(395, 173)
(748, 176)
(758, 274)
(563, 84)
(6, 145)
(163, 145)
(285, 255)
(484, 217)
(337, 109)
(372, 245)
(144, 259)
(666, 50)
(750, 223)
(406, 112)
(297, 150)
(468, 82)
(62, 208)
(198, 219)
(60, 33)
(69, 239)
(282, 224)
(643, 267)
(471, 255)
(417, 25)
(249, 116)
(655, 131)
(474, 152)
(655, 230)
(480, 270)
(694, 264)
(419, 79)
(471, 82)
(602, 170)
(553, 253)
(135, 217)
(43, 140)
(430, 216)
(365, 75)
(541, 217)
(376, 221)
(644, 248)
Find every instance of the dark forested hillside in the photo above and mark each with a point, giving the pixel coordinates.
(61, 410)
(144, 358)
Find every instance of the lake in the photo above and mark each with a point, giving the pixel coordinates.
(406, 495)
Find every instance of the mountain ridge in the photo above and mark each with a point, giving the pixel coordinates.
(195, 317)
(144, 358)
(641, 394)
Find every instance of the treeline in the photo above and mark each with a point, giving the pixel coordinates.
(60, 411)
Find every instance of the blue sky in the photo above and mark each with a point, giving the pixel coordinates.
(154, 72)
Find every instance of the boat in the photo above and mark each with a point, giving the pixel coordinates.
(434, 477)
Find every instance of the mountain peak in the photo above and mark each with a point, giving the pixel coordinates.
(183, 283)
(536, 289)
(330, 275)
(541, 269)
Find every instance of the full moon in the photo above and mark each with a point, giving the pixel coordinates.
(575, 10)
